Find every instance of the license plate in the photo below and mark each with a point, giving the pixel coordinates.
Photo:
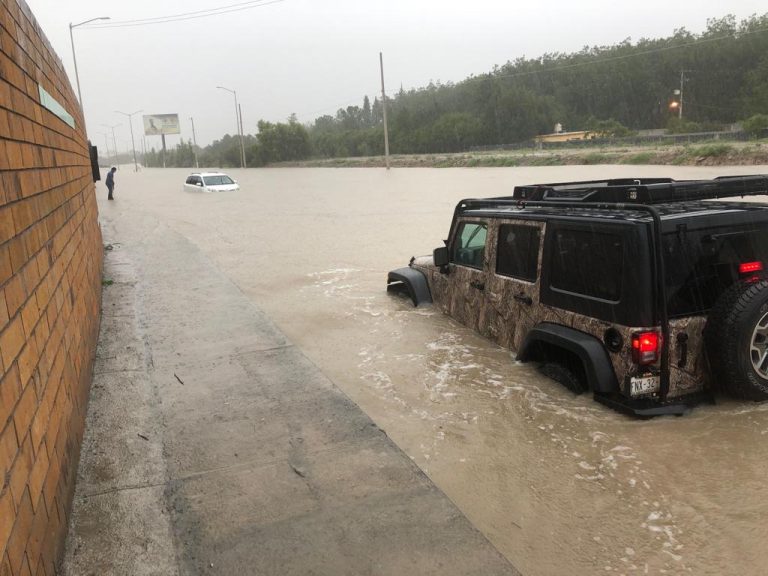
(644, 385)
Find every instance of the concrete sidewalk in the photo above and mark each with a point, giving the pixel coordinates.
(214, 446)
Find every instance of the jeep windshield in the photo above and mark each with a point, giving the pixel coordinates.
(702, 263)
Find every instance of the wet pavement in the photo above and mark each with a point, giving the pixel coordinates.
(214, 446)
(558, 484)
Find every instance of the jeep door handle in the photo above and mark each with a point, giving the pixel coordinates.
(524, 298)
(477, 285)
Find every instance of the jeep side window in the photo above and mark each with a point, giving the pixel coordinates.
(518, 252)
(588, 263)
(469, 246)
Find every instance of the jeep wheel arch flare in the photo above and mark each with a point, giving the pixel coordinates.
(411, 281)
(591, 353)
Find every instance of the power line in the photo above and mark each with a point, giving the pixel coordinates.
(188, 15)
(138, 20)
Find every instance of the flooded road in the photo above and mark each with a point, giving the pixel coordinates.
(559, 484)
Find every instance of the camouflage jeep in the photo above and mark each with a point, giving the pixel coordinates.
(647, 292)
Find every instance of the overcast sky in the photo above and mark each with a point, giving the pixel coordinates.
(311, 57)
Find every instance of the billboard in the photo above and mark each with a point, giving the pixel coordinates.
(157, 124)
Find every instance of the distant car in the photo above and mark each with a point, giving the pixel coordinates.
(210, 182)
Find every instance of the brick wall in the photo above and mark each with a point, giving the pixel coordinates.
(50, 291)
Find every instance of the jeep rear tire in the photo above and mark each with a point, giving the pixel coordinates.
(564, 376)
(737, 341)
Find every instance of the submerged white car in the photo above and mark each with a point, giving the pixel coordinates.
(210, 182)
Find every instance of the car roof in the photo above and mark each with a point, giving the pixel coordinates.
(630, 199)
(208, 174)
(644, 190)
(668, 212)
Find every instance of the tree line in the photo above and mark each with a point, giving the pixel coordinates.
(617, 89)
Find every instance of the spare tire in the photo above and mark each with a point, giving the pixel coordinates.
(736, 337)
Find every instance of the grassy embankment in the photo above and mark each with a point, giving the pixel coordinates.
(714, 153)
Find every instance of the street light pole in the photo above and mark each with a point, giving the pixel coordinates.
(194, 142)
(237, 122)
(242, 135)
(114, 142)
(384, 110)
(682, 81)
(106, 146)
(74, 57)
(133, 143)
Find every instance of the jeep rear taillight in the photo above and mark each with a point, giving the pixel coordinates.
(750, 267)
(646, 347)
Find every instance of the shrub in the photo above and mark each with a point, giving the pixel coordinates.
(608, 128)
(596, 158)
(711, 150)
(641, 158)
(756, 126)
(546, 161)
(682, 126)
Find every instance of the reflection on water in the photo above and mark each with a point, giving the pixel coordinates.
(560, 484)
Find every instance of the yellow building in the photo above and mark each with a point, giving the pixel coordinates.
(567, 136)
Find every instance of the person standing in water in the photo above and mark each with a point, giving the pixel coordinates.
(111, 182)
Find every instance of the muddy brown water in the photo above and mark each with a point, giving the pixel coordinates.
(559, 484)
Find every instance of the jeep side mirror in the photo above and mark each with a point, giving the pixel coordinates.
(440, 257)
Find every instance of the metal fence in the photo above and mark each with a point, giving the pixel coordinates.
(658, 139)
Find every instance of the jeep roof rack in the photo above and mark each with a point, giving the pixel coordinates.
(643, 190)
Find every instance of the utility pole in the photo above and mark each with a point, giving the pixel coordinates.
(384, 109)
(242, 137)
(194, 142)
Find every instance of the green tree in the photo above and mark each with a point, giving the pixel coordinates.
(608, 128)
(367, 115)
(454, 132)
(280, 142)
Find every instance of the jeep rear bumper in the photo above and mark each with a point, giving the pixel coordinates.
(649, 407)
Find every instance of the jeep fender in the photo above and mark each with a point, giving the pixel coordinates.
(590, 350)
(414, 281)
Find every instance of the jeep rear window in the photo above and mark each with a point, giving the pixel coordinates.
(702, 264)
(588, 263)
(518, 252)
(469, 247)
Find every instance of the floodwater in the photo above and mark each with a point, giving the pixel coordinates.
(559, 484)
